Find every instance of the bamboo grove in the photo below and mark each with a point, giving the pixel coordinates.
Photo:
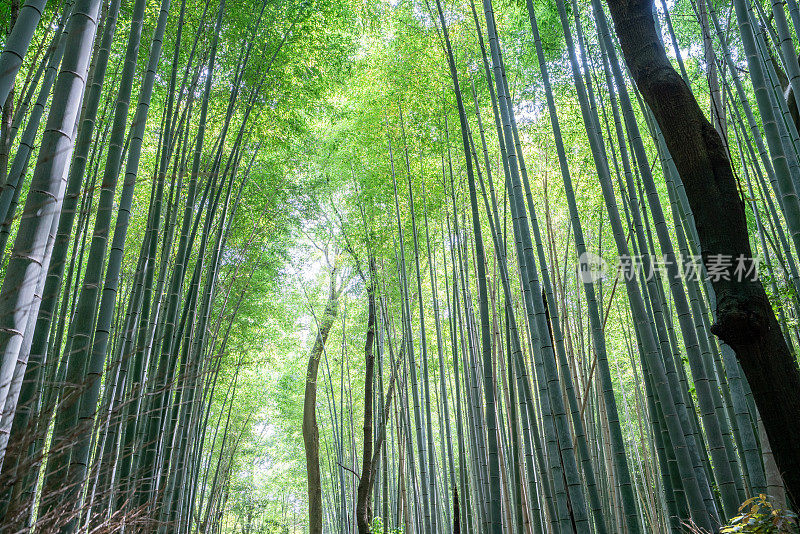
(131, 144)
(413, 266)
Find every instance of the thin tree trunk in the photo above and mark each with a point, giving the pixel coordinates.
(365, 483)
(310, 428)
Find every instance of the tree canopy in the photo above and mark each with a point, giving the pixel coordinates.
(399, 266)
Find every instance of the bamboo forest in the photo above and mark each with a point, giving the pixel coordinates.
(400, 266)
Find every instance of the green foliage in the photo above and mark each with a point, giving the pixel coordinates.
(758, 516)
(377, 527)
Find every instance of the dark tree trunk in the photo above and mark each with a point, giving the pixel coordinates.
(745, 319)
(310, 428)
(365, 483)
(788, 95)
(456, 513)
(5, 135)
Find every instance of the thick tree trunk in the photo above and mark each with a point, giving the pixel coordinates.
(365, 483)
(310, 428)
(745, 319)
(25, 21)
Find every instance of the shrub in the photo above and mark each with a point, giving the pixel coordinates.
(758, 516)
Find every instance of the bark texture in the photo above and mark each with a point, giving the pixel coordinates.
(310, 428)
(745, 320)
(456, 512)
(363, 509)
